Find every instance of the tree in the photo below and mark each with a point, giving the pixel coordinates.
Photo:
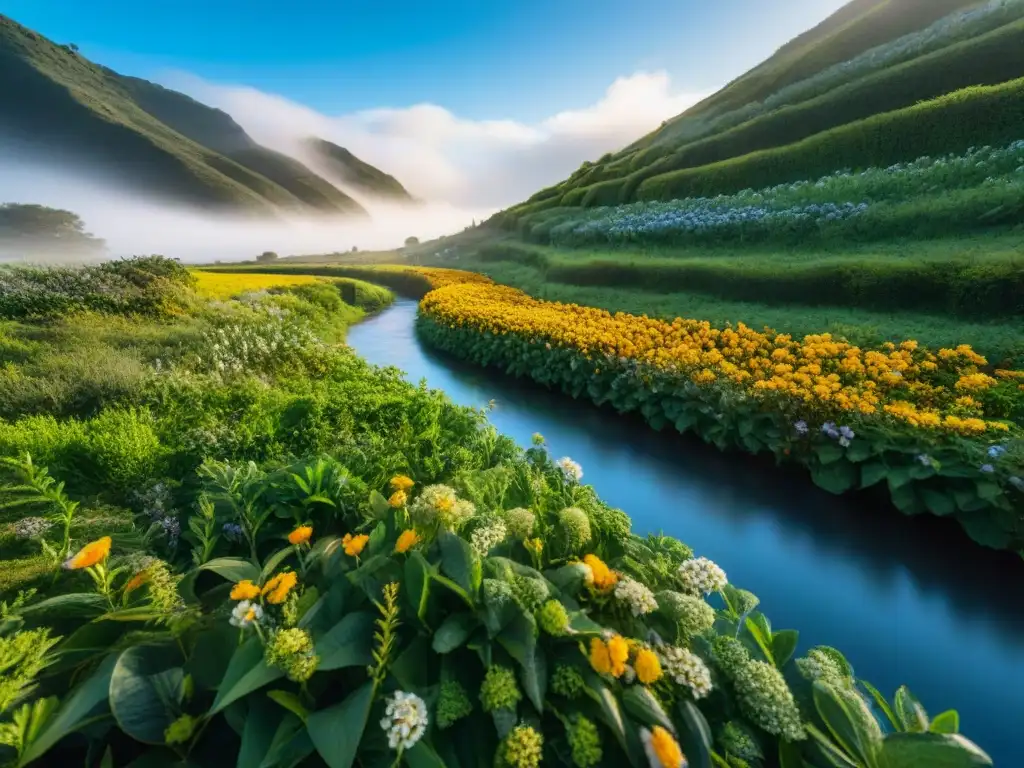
(354, 249)
(411, 241)
(30, 227)
(267, 256)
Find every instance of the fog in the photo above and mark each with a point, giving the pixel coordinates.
(133, 224)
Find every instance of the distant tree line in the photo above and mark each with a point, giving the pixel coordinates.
(31, 229)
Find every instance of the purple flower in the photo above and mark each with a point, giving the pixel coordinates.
(233, 531)
(996, 451)
(848, 433)
(987, 468)
(829, 428)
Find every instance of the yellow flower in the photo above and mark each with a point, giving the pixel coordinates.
(534, 545)
(276, 590)
(90, 554)
(599, 658)
(618, 653)
(401, 483)
(244, 590)
(666, 749)
(354, 544)
(300, 535)
(407, 540)
(398, 499)
(648, 668)
(604, 577)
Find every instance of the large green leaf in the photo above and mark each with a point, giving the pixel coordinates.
(348, 643)
(246, 673)
(146, 689)
(837, 478)
(694, 735)
(76, 604)
(825, 752)
(422, 755)
(232, 568)
(86, 702)
(337, 731)
(641, 704)
(882, 704)
(262, 722)
(417, 584)
(849, 720)
(909, 711)
(519, 638)
(413, 667)
(454, 631)
(460, 563)
(934, 750)
(784, 644)
(274, 561)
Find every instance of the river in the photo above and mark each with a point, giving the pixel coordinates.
(908, 600)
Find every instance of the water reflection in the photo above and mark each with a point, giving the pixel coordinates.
(909, 600)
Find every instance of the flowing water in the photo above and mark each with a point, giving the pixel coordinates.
(908, 600)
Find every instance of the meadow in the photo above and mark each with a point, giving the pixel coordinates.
(256, 546)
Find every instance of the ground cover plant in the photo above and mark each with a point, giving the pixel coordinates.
(314, 562)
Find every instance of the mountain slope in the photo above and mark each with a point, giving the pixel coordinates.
(354, 171)
(149, 138)
(868, 58)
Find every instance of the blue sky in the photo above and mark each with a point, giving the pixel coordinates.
(523, 60)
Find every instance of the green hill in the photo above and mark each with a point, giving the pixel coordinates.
(871, 58)
(354, 171)
(149, 138)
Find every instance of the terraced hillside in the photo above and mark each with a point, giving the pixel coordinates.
(846, 94)
(161, 142)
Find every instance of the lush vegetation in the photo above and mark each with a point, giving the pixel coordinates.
(843, 95)
(358, 173)
(265, 551)
(160, 141)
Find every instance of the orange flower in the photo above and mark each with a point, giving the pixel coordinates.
(407, 541)
(300, 535)
(401, 483)
(354, 544)
(599, 658)
(666, 749)
(244, 590)
(618, 653)
(398, 499)
(276, 590)
(648, 667)
(90, 554)
(136, 581)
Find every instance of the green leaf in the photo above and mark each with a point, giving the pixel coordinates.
(417, 582)
(829, 453)
(84, 604)
(694, 735)
(828, 750)
(233, 569)
(519, 638)
(413, 666)
(849, 720)
(337, 731)
(610, 711)
(247, 671)
(641, 704)
(349, 643)
(460, 563)
(789, 755)
(946, 722)
(454, 631)
(938, 503)
(275, 560)
(837, 477)
(291, 702)
(882, 703)
(872, 473)
(146, 690)
(935, 750)
(379, 505)
(759, 629)
(87, 701)
(784, 644)
(422, 755)
(262, 722)
(911, 714)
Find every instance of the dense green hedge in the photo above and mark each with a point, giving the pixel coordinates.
(952, 123)
(987, 60)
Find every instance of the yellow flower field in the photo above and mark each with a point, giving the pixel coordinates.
(226, 285)
(906, 381)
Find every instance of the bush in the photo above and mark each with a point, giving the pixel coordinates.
(952, 123)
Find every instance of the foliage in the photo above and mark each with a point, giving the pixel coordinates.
(910, 417)
(31, 228)
(267, 256)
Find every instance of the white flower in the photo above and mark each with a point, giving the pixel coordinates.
(637, 596)
(572, 470)
(31, 527)
(686, 668)
(405, 720)
(245, 613)
(701, 576)
(487, 537)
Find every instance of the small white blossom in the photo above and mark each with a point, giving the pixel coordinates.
(405, 720)
(31, 527)
(636, 596)
(700, 576)
(487, 537)
(571, 469)
(686, 668)
(245, 613)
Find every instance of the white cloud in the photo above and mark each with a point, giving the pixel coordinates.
(442, 157)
